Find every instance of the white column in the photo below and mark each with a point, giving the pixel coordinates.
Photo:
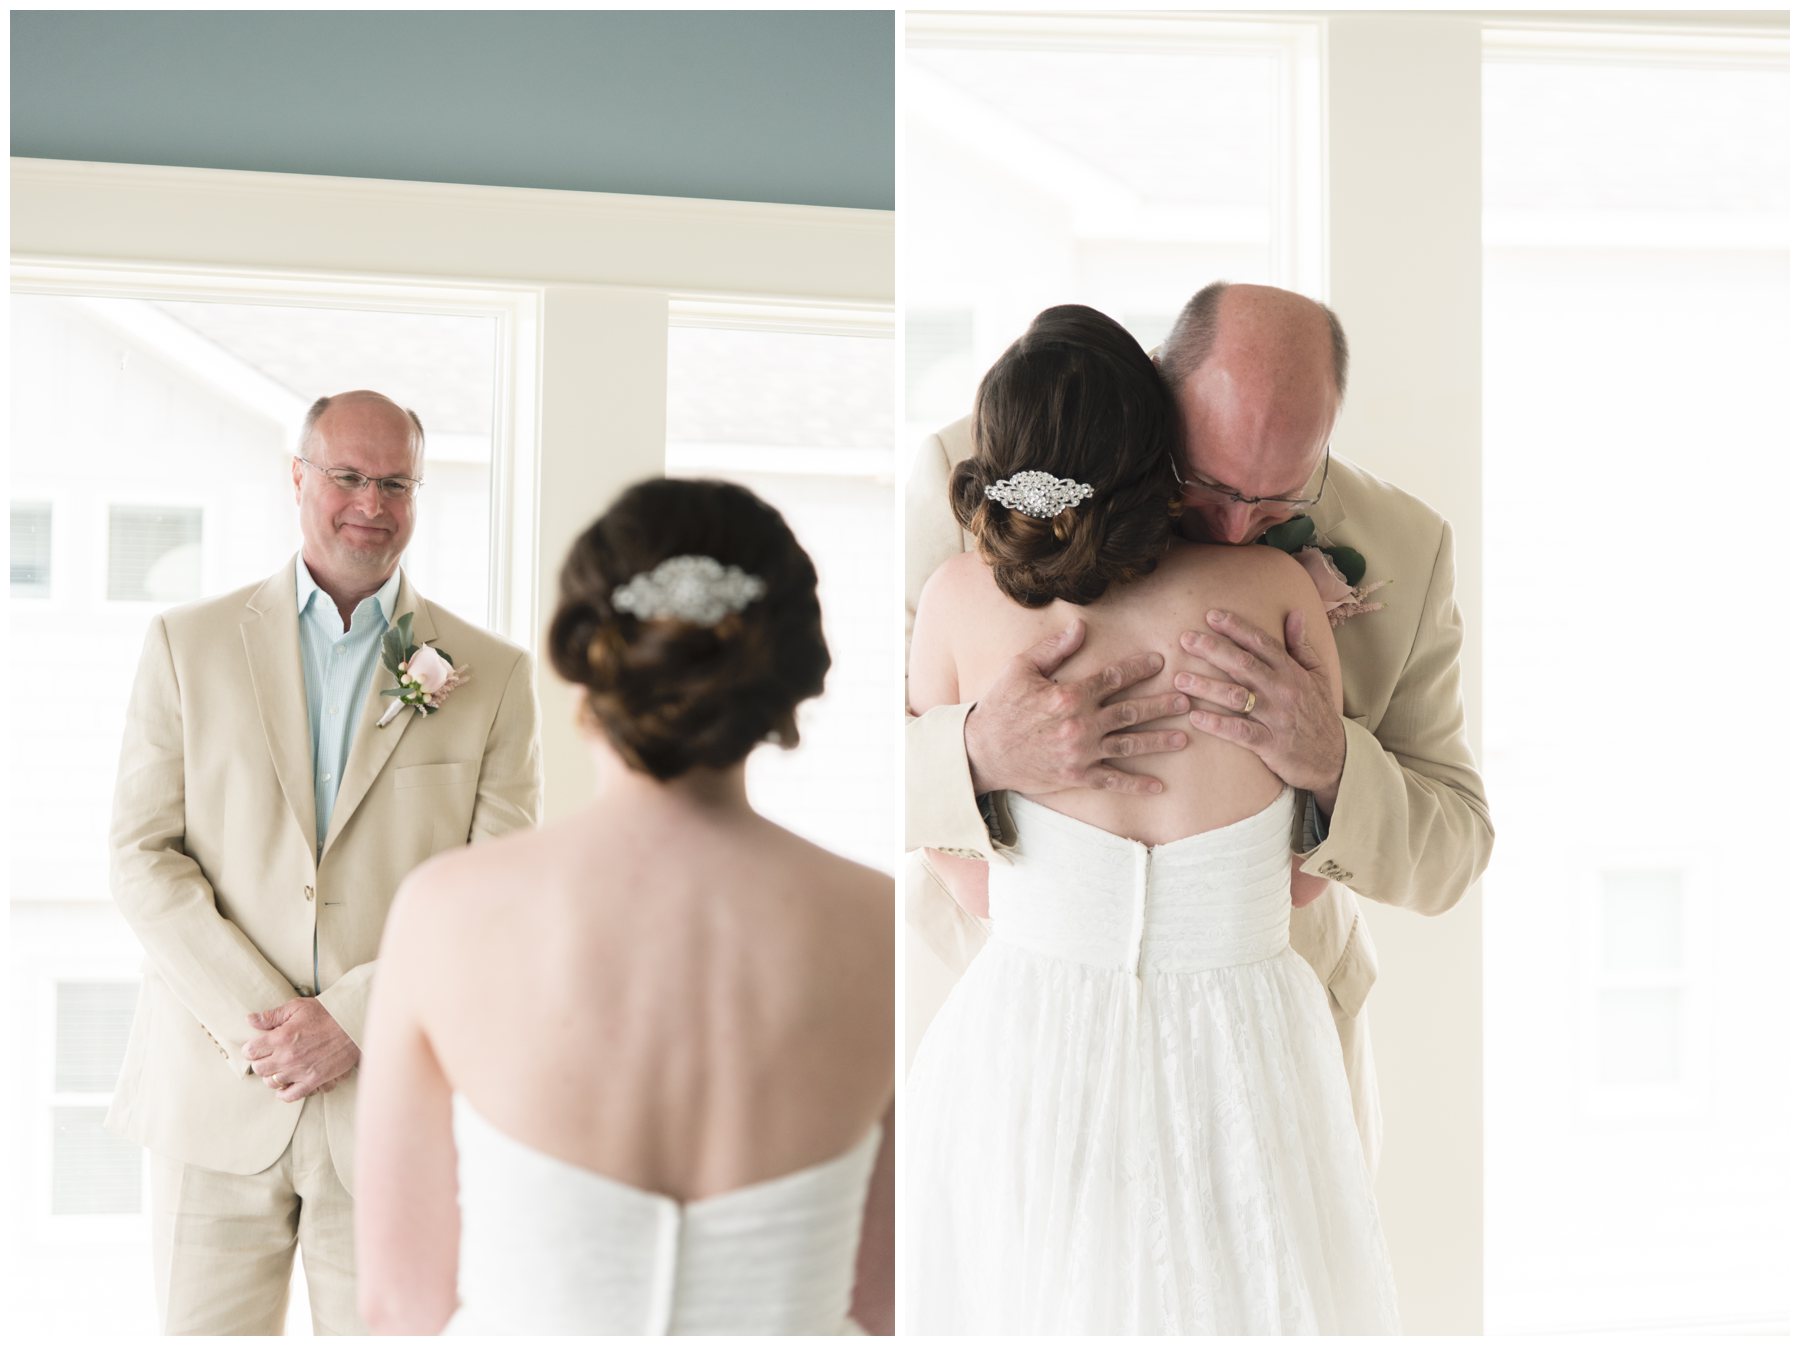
(602, 412)
(1403, 112)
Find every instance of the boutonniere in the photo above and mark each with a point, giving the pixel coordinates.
(1337, 572)
(426, 676)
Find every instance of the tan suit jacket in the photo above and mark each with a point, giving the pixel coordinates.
(213, 852)
(1411, 824)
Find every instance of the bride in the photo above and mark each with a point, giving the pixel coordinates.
(1131, 1114)
(633, 1073)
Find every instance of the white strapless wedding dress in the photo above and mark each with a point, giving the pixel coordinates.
(549, 1247)
(1131, 1114)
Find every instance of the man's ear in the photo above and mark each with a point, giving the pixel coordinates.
(296, 469)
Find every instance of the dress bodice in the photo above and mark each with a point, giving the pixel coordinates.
(1077, 892)
(550, 1247)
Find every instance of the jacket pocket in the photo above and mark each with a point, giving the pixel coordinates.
(435, 773)
(1354, 976)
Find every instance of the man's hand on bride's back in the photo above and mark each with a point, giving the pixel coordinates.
(1033, 734)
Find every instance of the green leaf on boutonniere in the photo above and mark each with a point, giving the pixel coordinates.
(1349, 562)
(393, 691)
(405, 624)
(1290, 536)
(392, 651)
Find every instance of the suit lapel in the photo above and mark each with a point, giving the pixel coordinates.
(371, 748)
(1329, 512)
(271, 635)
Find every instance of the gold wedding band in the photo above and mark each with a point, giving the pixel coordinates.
(1249, 702)
(275, 1080)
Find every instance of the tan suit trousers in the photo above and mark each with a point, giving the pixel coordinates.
(223, 1243)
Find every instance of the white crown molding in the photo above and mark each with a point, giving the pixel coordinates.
(207, 219)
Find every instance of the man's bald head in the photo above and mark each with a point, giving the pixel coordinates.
(1253, 312)
(1258, 374)
(363, 404)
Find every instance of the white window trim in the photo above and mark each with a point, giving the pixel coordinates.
(722, 313)
(215, 220)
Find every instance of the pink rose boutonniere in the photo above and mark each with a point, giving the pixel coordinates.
(426, 677)
(1337, 572)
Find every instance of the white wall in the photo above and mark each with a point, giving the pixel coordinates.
(1403, 107)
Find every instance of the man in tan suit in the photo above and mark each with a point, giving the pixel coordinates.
(261, 823)
(1395, 808)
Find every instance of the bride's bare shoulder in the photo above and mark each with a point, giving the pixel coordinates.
(829, 872)
(1228, 573)
(964, 578)
(460, 882)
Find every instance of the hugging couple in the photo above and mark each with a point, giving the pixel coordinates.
(1152, 766)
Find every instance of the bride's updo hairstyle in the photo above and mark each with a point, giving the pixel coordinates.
(1076, 397)
(671, 694)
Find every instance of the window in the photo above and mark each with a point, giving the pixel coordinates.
(1121, 161)
(30, 549)
(92, 1172)
(799, 408)
(152, 554)
(1646, 995)
(1636, 367)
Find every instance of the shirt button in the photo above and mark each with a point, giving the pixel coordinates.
(327, 775)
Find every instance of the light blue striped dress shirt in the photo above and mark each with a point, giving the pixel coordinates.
(339, 666)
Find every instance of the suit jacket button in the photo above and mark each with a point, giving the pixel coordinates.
(308, 891)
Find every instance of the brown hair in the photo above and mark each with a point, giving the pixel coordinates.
(1075, 397)
(668, 694)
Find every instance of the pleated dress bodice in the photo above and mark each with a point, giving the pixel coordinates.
(550, 1247)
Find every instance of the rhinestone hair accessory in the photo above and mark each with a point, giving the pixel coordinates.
(697, 589)
(1039, 494)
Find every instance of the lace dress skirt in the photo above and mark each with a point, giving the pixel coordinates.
(1131, 1115)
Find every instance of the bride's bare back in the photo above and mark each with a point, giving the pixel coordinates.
(685, 998)
(967, 630)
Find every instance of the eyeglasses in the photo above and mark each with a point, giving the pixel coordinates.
(1221, 492)
(391, 488)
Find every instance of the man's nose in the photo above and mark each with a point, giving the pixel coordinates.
(368, 499)
(1236, 523)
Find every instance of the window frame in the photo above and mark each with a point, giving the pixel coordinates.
(511, 309)
(1743, 40)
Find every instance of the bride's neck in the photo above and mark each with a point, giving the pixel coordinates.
(703, 789)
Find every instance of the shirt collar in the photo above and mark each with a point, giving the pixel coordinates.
(305, 586)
